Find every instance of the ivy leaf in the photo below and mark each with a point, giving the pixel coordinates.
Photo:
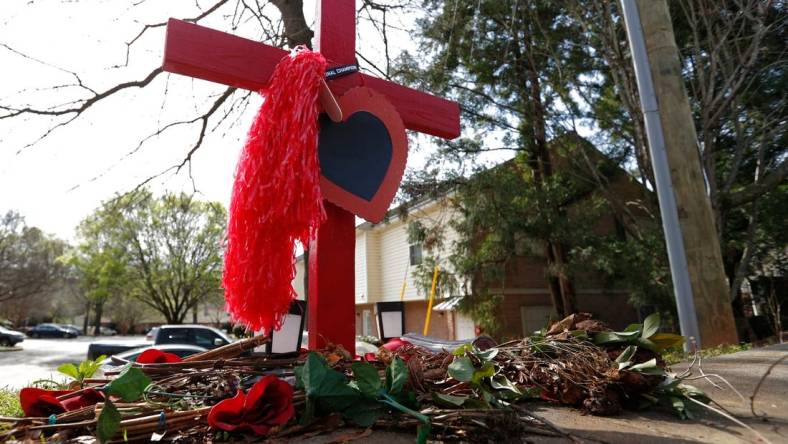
(461, 369)
(396, 376)
(487, 371)
(70, 370)
(366, 378)
(650, 325)
(449, 401)
(129, 386)
(108, 422)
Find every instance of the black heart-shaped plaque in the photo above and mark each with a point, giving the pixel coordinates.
(355, 154)
(362, 158)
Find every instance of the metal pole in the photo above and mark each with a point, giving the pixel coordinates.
(688, 319)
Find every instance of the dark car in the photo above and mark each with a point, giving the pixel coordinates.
(199, 335)
(73, 328)
(9, 338)
(182, 350)
(51, 331)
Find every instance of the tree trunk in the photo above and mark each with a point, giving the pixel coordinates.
(86, 321)
(97, 320)
(194, 313)
(704, 258)
(540, 161)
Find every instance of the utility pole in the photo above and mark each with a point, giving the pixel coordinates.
(693, 248)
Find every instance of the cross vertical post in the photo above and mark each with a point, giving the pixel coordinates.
(332, 277)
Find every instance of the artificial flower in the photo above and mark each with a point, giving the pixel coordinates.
(156, 356)
(268, 404)
(42, 403)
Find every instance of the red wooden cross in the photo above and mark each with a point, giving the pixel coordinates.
(208, 54)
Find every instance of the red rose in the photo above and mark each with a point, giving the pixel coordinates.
(268, 403)
(395, 344)
(86, 397)
(155, 356)
(42, 403)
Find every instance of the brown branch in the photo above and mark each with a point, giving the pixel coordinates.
(751, 192)
(76, 111)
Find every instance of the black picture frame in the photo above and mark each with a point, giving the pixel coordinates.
(297, 307)
(389, 306)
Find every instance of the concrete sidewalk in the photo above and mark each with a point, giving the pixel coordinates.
(743, 370)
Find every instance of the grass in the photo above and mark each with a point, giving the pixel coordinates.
(9, 403)
(677, 355)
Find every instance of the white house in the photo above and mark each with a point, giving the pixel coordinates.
(385, 260)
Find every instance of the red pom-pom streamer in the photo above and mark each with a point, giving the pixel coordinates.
(276, 197)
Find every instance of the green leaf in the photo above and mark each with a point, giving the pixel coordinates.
(422, 433)
(631, 328)
(461, 369)
(396, 376)
(627, 354)
(487, 371)
(364, 413)
(461, 350)
(366, 378)
(449, 401)
(649, 367)
(646, 343)
(129, 385)
(664, 341)
(607, 337)
(488, 355)
(326, 389)
(503, 383)
(108, 422)
(650, 325)
(70, 370)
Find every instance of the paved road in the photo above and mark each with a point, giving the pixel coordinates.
(40, 358)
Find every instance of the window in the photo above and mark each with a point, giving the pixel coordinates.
(415, 254)
(173, 336)
(205, 338)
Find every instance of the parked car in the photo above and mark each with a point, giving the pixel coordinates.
(151, 335)
(73, 328)
(9, 338)
(115, 361)
(51, 331)
(106, 331)
(199, 335)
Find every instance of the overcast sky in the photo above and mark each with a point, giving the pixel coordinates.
(57, 181)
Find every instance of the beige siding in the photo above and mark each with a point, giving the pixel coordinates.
(373, 265)
(394, 261)
(298, 282)
(361, 267)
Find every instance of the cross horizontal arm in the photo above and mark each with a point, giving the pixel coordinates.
(205, 53)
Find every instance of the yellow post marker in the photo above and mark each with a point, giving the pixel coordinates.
(432, 299)
(402, 292)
